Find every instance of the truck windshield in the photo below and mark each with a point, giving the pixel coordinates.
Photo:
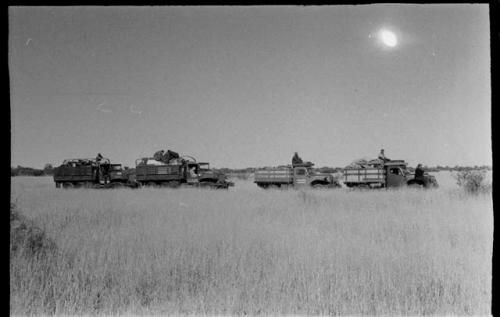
(116, 167)
(301, 172)
(204, 167)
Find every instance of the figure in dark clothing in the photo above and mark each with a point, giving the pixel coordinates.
(419, 172)
(419, 175)
(296, 159)
(382, 157)
(169, 156)
(158, 156)
(105, 172)
(96, 169)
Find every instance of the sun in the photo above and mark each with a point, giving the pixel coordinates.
(388, 38)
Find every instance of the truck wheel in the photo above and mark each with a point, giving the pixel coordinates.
(58, 185)
(116, 185)
(68, 185)
(273, 186)
(262, 185)
(174, 184)
(206, 184)
(319, 185)
(415, 183)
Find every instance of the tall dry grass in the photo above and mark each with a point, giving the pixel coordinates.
(248, 251)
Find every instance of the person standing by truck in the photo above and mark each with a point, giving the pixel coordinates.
(96, 168)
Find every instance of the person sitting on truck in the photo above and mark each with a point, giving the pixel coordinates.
(170, 155)
(419, 175)
(98, 158)
(382, 157)
(296, 159)
(192, 172)
(419, 172)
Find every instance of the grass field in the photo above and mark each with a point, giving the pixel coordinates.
(256, 252)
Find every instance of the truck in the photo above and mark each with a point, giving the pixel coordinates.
(92, 173)
(182, 171)
(389, 174)
(297, 175)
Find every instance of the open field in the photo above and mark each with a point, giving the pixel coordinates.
(251, 251)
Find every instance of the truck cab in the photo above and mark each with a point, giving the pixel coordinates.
(300, 176)
(396, 173)
(117, 174)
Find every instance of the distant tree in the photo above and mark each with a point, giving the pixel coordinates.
(36, 172)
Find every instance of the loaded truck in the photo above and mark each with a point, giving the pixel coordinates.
(182, 171)
(385, 175)
(297, 175)
(92, 173)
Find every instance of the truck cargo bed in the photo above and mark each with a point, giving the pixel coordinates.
(364, 175)
(284, 176)
(80, 173)
(157, 172)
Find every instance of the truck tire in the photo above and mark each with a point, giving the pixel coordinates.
(68, 185)
(88, 185)
(117, 185)
(174, 184)
(321, 185)
(58, 185)
(206, 185)
(415, 183)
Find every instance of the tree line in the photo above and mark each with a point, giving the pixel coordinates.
(48, 170)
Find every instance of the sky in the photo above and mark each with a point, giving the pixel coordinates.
(247, 86)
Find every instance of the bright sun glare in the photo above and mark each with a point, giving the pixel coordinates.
(388, 38)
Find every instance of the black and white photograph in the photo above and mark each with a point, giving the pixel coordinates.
(251, 160)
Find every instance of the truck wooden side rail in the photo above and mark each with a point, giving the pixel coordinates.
(364, 175)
